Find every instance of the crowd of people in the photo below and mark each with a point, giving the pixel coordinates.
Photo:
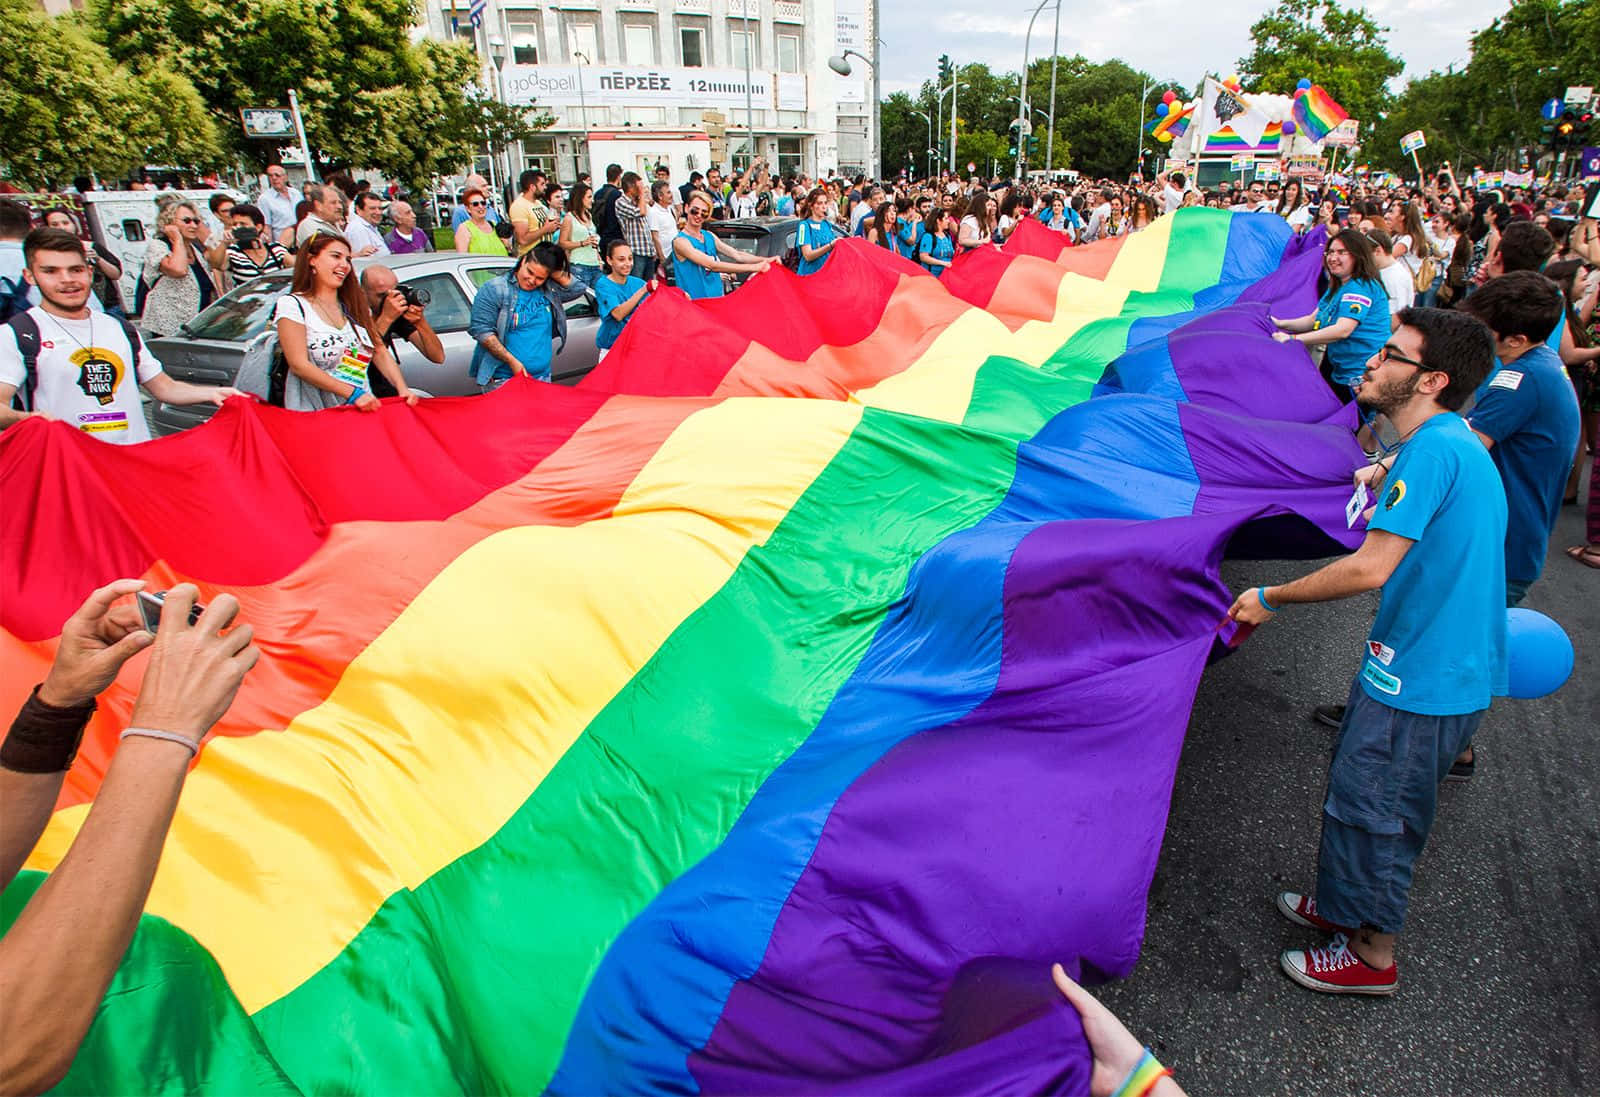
(1463, 325)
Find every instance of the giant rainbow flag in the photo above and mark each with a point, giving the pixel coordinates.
(763, 715)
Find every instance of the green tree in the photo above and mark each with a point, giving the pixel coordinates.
(1342, 49)
(67, 108)
(370, 96)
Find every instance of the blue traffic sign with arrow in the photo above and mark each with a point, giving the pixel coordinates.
(1551, 109)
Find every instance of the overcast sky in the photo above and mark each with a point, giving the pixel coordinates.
(1167, 38)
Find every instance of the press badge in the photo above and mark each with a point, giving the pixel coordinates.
(1359, 501)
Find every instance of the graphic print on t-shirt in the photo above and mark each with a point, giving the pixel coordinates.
(99, 373)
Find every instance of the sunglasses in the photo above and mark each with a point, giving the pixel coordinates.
(694, 211)
(1387, 353)
(189, 220)
(477, 205)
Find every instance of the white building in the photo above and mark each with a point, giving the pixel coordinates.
(642, 82)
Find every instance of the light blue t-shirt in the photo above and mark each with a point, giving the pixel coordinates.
(693, 279)
(813, 234)
(1365, 301)
(905, 239)
(1438, 646)
(1531, 411)
(529, 336)
(608, 295)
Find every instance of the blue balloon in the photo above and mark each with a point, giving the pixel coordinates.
(1539, 654)
(1162, 110)
(1304, 84)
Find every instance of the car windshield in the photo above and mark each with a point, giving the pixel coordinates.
(241, 315)
(744, 241)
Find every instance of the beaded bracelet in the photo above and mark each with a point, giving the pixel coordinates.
(164, 736)
(1143, 1077)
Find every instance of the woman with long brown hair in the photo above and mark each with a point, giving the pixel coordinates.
(1351, 321)
(977, 225)
(883, 225)
(325, 332)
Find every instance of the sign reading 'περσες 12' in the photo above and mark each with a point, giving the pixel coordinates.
(629, 86)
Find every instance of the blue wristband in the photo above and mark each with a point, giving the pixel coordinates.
(355, 394)
(1261, 596)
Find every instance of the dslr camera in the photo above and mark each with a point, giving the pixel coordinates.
(414, 296)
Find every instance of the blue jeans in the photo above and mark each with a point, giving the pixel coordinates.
(586, 274)
(1383, 789)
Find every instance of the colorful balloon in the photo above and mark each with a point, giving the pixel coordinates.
(1164, 135)
(1298, 92)
(1288, 128)
(1304, 84)
(1168, 96)
(1162, 109)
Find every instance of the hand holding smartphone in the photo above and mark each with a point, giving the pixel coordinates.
(150, 609)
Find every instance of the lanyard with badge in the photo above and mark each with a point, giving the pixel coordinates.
(1362, 497)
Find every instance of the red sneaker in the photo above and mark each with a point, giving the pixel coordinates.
(1336, 969)
(1302, 911)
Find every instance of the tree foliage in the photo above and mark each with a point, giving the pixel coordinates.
(369, 95)
(67, 108)
(1342, 49)
(1488, 112)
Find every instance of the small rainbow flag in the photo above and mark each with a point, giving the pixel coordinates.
(1225, 140)
(1317, 114)
(1175, 122)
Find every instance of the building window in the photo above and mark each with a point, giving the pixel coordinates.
(791, 156)
(522, 28)
(584, 38)
(638, 44)
(539, 153)
(647, 116)
(692, 47)
(744, 49)
(463, 31)
(788, 53)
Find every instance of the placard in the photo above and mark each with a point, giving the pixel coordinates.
(1413, 141)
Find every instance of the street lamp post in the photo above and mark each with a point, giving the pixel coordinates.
(1055, 53)
(749, 111)
(497, 53)
(840, 64)
(1022, 88)
(1024, 128)
(942, 94)
(1144, 96)
(928, 118)
(583, 109)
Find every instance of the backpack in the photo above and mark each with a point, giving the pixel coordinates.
(13, 298)
(26, 331)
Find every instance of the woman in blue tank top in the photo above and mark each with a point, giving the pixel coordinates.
(700, 259)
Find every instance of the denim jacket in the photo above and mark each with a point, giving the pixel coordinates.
(491, 315)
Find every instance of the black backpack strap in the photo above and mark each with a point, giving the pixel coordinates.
(26, 331)
(134, 345)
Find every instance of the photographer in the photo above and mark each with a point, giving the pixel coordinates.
(58, 958)
(399, 312)
(253, 252)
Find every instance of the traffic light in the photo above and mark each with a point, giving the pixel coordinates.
(1580, 129)
(947, 70)
(1565, 127)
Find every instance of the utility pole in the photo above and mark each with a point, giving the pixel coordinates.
(1055, 52)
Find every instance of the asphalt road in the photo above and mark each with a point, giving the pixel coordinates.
(1500, 958)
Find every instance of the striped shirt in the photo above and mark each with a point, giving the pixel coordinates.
(635, 230)
(242, 268)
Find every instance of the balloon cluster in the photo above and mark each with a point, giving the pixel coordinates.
(1169, 101)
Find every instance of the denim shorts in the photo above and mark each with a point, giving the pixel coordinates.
(1383, 788)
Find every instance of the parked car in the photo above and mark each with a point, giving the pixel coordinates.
(768, 237)
(210, 348)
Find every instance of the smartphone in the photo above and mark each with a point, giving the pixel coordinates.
(1591, 201)
(150, 609)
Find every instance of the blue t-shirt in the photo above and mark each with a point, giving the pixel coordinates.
(1365, 301)
(905, 239)
(1438, 646)
(1553, 341)
(693, 279)
(609, 295)
(813, 234)
(1531, 412)
(785, 206)
(940, 247)
(530, 334)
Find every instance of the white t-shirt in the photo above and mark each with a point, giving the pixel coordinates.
(1299, 217)
(1410, 259)
(1397, 282)
(83, 375)
(660, 221)
(326, 347)
(1171, 198)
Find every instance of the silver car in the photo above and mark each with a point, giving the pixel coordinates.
(211, 347)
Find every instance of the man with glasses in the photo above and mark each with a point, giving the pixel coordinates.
(1255, 199)
(1435, 656)
(278, 201)
(700, 258)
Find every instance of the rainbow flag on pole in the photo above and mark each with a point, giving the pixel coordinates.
(761, 715)
(1316, 113)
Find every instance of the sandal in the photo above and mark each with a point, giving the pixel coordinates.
(1587, 555)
